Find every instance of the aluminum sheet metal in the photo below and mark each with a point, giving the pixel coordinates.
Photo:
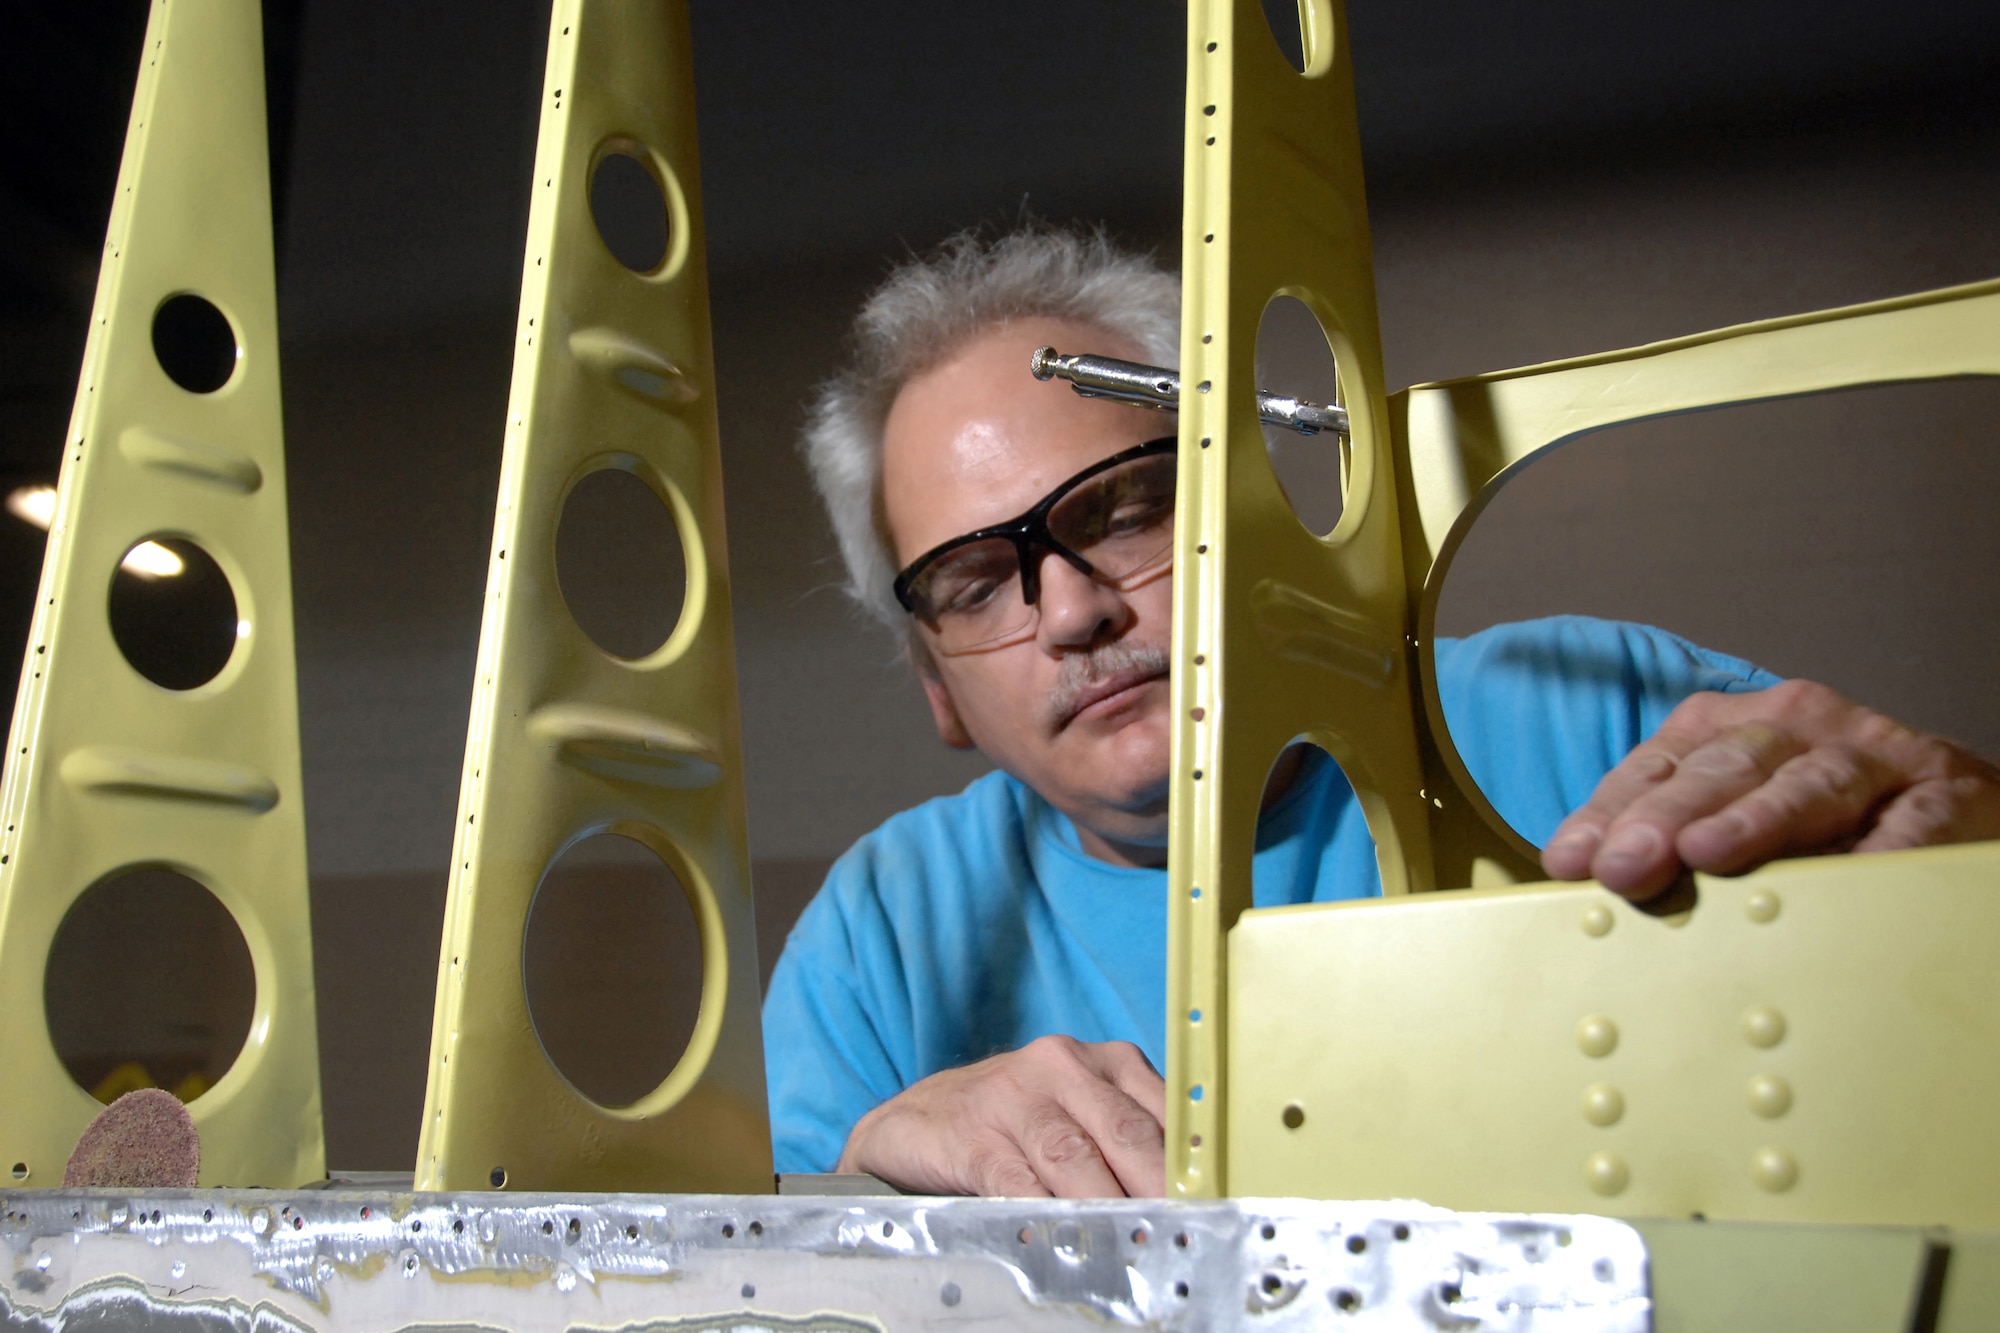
(253, 1261)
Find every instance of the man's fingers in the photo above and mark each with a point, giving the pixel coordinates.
(1638, 857)
(1068, 1157)
(1961, 808)
(1058, 1116)
(1127, 1135)
(1126, 1068)
(1815, 801)
(1574, 844)
(1122, 1145)
(998, 1170)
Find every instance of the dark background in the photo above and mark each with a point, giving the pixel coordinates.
(1546, 179)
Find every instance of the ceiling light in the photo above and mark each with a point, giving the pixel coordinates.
(149, 560)
(33, 504)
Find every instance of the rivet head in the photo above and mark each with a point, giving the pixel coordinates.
(1596, 1036)
(1603, 1104)
(1597, 921)
(1763, 1026)
(1761, 906)
(1770, 1096)
(1774, 1169)
(1606, 1173)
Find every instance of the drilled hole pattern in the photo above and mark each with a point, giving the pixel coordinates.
(1220, 1262)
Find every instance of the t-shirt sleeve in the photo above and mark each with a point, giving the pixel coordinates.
(1541, 710)
(826, 1060)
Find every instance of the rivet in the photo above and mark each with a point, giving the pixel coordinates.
(1596, 1036)
(1603, 1104)
(1597, 921)
(1770, 1096)
(1763, 1026)
(1774, 1169)
(1761, 906)
(1606, 1173)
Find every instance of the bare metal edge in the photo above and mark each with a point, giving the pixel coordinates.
(270, 1262)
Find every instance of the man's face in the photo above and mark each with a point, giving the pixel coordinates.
(1076, 707)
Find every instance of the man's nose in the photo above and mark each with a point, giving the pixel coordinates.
(1076, 609)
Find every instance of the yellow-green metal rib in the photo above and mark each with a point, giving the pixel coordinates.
(106, 770)
(612, 369)
(1278, 634)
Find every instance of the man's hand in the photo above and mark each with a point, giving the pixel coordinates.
(1075, 1119)
(1731, 781)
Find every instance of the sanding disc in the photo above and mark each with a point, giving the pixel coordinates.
(144, 1140)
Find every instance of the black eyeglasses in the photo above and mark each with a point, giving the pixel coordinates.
(1110, 521)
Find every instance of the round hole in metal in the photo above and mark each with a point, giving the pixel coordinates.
(620, 563)
(630, 209)
(1295, 360)
(173, 613)
(612, 961)
(1287, 31)
(194, 343)
(148, 984)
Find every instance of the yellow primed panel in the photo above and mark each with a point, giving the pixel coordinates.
(612, 369)
(1972, 1288)
(105, 770)
(1278, 633)
(1720, 1277)
(1814, 1042)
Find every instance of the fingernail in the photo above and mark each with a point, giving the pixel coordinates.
(1576, 840)
(1634, 843)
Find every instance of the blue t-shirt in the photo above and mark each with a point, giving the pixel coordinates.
(976, 923)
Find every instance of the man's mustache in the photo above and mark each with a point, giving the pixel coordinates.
(1082, 672)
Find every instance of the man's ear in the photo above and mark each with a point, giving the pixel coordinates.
(950, 727)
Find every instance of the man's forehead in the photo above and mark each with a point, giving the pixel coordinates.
(977, 439)
(977, 398)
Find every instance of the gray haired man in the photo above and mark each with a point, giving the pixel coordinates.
(975, 1002)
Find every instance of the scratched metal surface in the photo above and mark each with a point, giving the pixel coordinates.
(357, 1261)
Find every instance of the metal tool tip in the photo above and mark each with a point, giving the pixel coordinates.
(1040, 363)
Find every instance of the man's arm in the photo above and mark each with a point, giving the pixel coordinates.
(1730, 781)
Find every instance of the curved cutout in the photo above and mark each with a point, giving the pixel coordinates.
(620, 562)
(629, 204)
(194, 343)
(1307, 788)
(1757, 530)
(173, 613)
(1303, 31)
(1294, 358)
(148, 983)
(612, 958)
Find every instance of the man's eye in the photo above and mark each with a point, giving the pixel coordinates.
(1138, 514)
(967, 596)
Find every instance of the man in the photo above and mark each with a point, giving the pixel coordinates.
(969, 1004)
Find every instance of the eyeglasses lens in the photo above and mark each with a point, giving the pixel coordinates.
(1120, 522)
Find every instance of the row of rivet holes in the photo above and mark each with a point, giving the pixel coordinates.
(1770, 1096)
